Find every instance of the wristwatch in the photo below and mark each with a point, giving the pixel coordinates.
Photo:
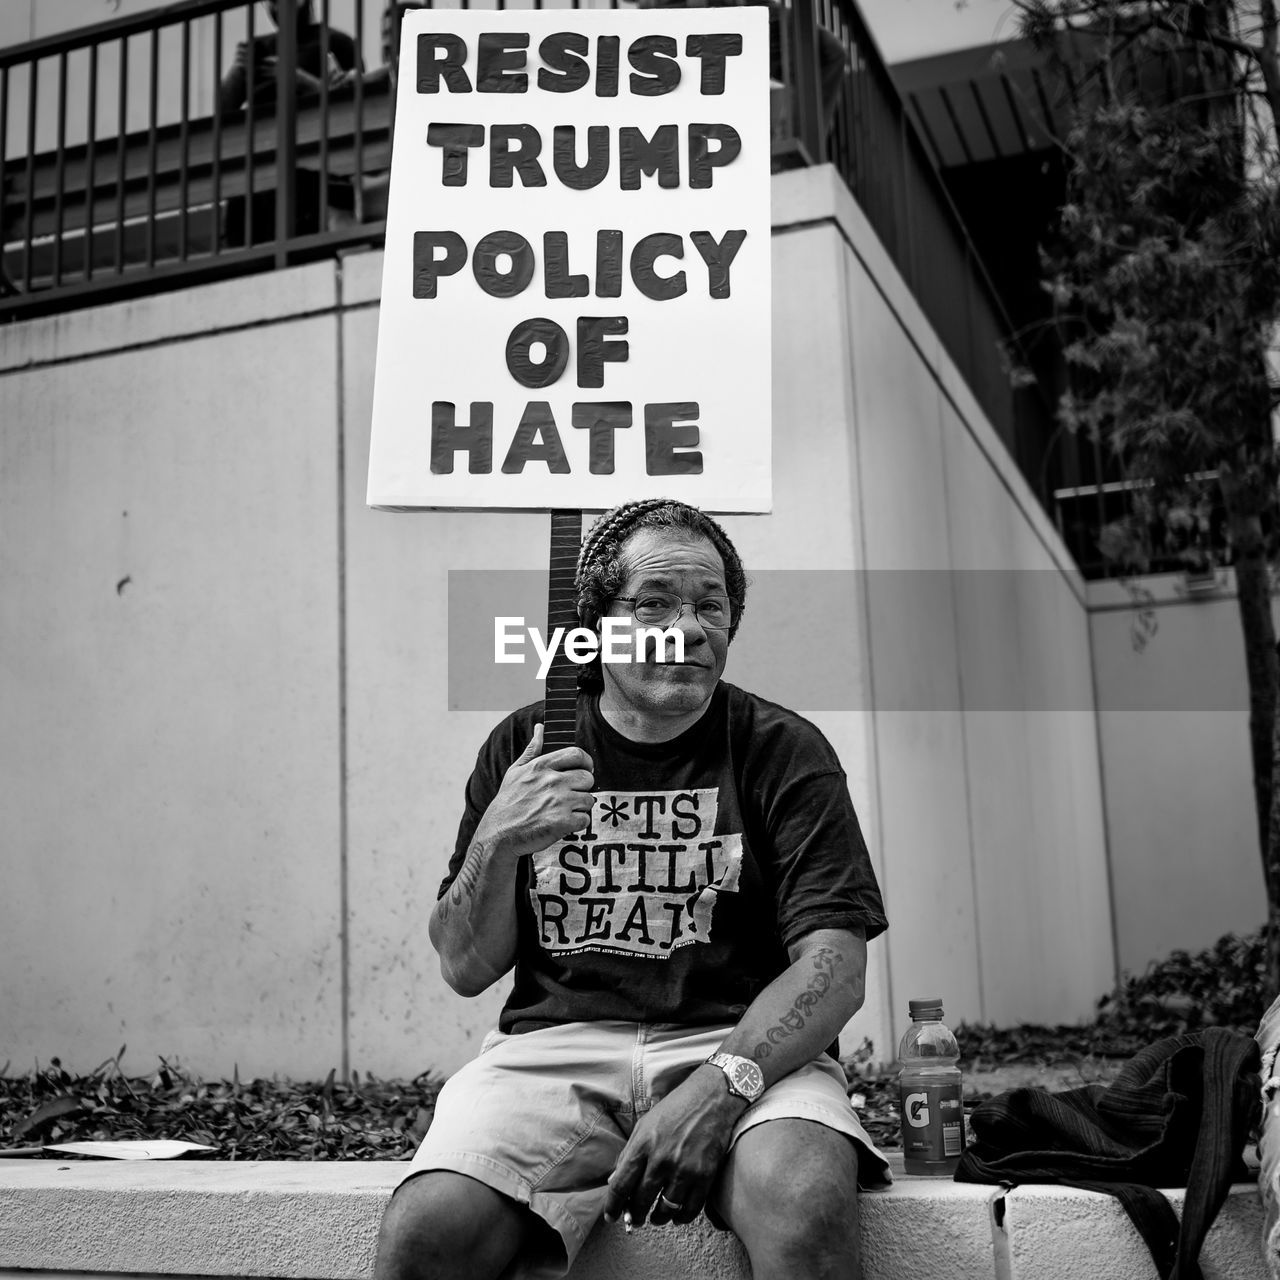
(744, 1077)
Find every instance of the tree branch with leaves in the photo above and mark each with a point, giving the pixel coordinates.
(1165, 278)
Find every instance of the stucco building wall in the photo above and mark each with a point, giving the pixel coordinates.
(232, 768)
(1173, 711)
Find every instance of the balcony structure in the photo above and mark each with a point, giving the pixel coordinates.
(119, 179)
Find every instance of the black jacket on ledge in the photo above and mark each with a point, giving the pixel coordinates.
(1178, 1114)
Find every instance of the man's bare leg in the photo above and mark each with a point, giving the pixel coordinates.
(446, 1226)
(789, 1192)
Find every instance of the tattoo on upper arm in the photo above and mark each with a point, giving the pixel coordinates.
(825, 960)
(464, 883)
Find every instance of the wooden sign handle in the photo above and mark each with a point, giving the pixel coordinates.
(560, 697)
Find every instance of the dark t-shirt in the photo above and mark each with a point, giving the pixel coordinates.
(704, 858)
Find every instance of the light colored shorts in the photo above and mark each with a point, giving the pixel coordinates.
(543, 1116)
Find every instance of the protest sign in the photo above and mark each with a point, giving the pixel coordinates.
(576, 298)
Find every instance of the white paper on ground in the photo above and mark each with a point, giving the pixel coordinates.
(131, 1149)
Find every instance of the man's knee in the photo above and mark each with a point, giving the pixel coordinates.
(794, 1202)
(805, 1197)
(441, 1224)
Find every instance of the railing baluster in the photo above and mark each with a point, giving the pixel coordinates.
(286, 128)
(90, 164)
(122, 129)
(153, 105)
(324, 115)
(910, 257)
(4, 150)
(807, 89)
(216, 175)
(60, 169)
(359, 90)
(250, 93)
(27, 246)
(786, 65)
(184, 140)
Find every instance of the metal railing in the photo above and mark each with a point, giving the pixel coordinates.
(149, 181)
(878, 151)
(126, 167)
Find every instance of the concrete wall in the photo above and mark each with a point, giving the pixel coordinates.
(1174, 722)
(169, 679)
(986, 792)
(231, 766)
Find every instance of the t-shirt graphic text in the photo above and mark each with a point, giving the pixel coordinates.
(640, 878)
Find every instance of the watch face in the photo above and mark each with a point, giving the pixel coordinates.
(747, 1077)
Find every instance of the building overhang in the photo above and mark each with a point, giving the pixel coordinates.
(990, 102)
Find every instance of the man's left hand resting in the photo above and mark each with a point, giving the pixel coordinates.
(676, 1149)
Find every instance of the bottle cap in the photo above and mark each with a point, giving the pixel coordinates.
(926, 1008)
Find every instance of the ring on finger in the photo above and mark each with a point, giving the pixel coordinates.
(669, 1204)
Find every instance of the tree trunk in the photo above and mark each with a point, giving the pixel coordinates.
(1271, 872)
(1253, 596)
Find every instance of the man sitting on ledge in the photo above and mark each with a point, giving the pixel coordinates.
(682, 962)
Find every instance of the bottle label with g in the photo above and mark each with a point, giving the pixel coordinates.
(932, 1121)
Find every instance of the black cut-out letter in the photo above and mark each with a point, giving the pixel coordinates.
(713, 49)
(528, 147)
(607, 66)
(484, 264)
(718, 257)
(448, 436)
(703, 158)
(661, 244)
(640, 155)
(668, 427)
(499, 57)
(520, 363)
(601, 418)
(608, 264)
(593, 350)
(428, 266)
(565, 56)
(431, 66)
(525, 447)
(555, 258)
(655, 69)
(454, 141)
(565, 158)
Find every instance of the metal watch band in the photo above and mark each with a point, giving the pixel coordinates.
(744, 1077)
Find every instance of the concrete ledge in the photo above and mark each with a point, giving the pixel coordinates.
(319, 1222)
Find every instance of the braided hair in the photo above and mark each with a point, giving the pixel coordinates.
(601, 572)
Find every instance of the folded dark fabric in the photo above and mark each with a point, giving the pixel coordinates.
(1178, 1114)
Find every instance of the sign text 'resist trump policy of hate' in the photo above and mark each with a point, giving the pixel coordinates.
(576, 301)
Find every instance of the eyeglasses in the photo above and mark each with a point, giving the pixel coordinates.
(661, 608)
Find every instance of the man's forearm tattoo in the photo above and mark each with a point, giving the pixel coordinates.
(824, 960)
(464, 883)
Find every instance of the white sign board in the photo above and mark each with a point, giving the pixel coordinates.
(575, 296)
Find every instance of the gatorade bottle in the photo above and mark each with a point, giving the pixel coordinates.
(929, 1093)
